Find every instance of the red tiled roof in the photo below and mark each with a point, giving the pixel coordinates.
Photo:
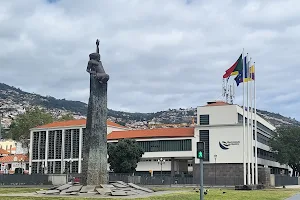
(13, 158)
(2, 151)
(217, 103)
(152, 133)
(76, 122)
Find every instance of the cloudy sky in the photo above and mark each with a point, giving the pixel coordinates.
(159, 54)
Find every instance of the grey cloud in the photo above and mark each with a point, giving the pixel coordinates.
(159, 54)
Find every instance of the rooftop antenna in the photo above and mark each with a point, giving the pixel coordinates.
(225, 90)
(231, 93)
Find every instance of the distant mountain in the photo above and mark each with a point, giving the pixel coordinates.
(14, 101)
(277, 119)
(10, 95)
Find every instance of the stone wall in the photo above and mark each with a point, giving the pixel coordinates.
(57, 179)
(264, 175)
(272, 180)
(220, 174)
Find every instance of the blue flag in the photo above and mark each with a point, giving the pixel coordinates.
(239, 78)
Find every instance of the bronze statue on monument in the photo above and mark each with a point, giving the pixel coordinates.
(95, 67)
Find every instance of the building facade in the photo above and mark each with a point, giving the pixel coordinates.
(13, 147)
(172, 145)
(9, 145)
(57, 147)
(220, 126)
(10, 163)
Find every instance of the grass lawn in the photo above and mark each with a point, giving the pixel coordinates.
(5, 190)
(181, 194)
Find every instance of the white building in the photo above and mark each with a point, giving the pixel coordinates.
(52, 145)
(11, 162)
(217, 123)
(13, 147)
(174, 145)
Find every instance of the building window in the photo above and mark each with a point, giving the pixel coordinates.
(154, 146)
(57, 167)
(240, 118)
(74, 167)
(204, 137)
(75, 141)
(204, 119)
(263, 139)
(35, 146)
(41, 168)
(50, 167)
(51, 149)
(34, 168)
(68, 141)
(83, 140)
(267, 155)
(165, 145)
(42, 145)
(58, 144)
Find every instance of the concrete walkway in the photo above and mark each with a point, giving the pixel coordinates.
(296, 197)
(290, 187)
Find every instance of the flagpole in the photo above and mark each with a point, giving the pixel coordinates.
(248, 127)
(255, 121)
(251, 128)
(244, 124)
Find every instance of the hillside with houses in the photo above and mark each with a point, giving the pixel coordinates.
(14, 101)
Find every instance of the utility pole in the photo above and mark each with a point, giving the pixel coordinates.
(215, 168)
(1, 116)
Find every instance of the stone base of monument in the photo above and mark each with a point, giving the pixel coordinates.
(118, 188)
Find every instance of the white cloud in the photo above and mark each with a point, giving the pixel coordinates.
(159, 54)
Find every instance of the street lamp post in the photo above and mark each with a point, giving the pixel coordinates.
(215, 156)
(161, 162)
(68, 168)
(21, 161)
(43, 167)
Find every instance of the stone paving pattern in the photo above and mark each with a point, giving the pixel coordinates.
(118, 188)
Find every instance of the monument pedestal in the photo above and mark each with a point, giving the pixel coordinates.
(249, 187)
(95, 140)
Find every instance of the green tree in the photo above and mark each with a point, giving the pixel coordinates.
(122, 123)
(66, 117)
(124, 156)
(20, 127)
(285, 144)
(5, 133)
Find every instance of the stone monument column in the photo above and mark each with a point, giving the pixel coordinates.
(94, 165)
